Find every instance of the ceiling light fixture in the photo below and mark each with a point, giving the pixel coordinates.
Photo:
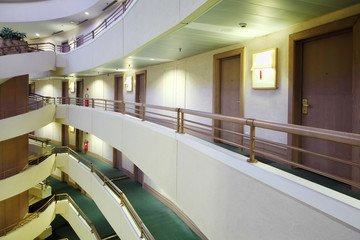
(243, 25)
(37, 34)
(86, 13)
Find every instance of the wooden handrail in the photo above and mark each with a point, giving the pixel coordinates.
(80, 40)
(124, 201)
(61, 196)
(27, 219)
(55, 197)
(140, 110)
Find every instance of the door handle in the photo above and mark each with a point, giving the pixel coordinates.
(305, 106)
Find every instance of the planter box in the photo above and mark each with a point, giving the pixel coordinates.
(8, 46)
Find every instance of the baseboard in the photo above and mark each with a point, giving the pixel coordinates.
(55, 142)
(176, 210)
(100, 158)
(128, 173)
(56, 177)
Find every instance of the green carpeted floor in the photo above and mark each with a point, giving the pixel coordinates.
(313, 177)
(86, 204)
(162, 222)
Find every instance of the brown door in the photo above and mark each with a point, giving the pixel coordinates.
(228, 95)
(31, 88)
(80, 92)
(140, 91)
(119, 92)
(327, 88)
(65, 92)
(79, 140)
(64, 135)
(138, 175)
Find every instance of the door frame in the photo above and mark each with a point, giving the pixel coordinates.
(116, 95)
(216, 84)
(136, 84)
(294, 93)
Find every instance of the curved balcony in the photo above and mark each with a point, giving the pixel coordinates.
(26, 59)
(42, 112)
(35, 223)
(181, 164)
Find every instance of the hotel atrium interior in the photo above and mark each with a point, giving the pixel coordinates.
(180, 119)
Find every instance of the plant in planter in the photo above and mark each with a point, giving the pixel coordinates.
(12, 41)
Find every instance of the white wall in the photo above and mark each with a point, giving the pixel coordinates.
(51, 131)
(35, 227)
(226, 197)
(109, 204)
(14, 126)
(26, 63)
(146, 19)
(26, 179)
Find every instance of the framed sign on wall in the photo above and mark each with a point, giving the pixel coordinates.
(264, 69)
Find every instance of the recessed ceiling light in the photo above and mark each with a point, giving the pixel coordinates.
(243, 25)
(72, 22)
(37, 34)
(152, 59)
(86, 13)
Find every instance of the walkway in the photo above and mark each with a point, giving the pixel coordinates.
(162, 222)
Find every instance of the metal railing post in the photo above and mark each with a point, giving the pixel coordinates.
(143, 112)
(181, 121)
(105, 105)
(92, 103)
(123, 107)
(92, 167)
(252, 142)
(178, 120)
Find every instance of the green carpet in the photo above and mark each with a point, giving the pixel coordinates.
(87, 205)
(313, 177)
(162, 222)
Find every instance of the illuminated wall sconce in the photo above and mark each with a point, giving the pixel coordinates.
(128, 84)
(264, 69)
(72, 87)
(71, 129)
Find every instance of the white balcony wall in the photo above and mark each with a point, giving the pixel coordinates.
(108, 203)
(14, 126)
(26, 179)
(26, 63)
(143, 23)
(35, 227)
(200, 178)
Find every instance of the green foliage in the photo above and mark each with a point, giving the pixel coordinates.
(9, 33)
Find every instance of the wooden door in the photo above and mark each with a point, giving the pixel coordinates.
(140, 90)
(228, 95)
(65, 91)
(79, 140)
(80, 92)
(119, 92)
(326, 83)
(64, 135)
(138, 175)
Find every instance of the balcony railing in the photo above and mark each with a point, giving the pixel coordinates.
(145, 233)
(80, 40)
(206, 125)
(34, 215)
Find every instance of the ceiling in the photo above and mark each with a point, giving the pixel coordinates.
(47, 28)
(219, 27)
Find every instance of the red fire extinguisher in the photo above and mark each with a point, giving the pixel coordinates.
(86, 100)
(86, 145)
